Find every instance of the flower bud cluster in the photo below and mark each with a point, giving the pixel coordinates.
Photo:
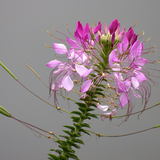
(111, 56)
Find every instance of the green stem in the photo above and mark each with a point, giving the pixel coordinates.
(122, 135)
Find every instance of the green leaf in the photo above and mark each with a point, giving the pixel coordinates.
(4, 112)
(70, 127)
(84, 131)
(99, 93)
(86, 125)
(102, 85)
(8, 71)
(78, 141)
(77, 125)
(68, 132)
(157, 126)
(75, 119)
(83, 110)
(90, 109)
(99, 89)
(81, 104)
(61, 157)
(73, 156)
(66, 149)
(76, 112)
(53, 157)
(64, 136)
(76, 146)
(92, 115)
(57, 150)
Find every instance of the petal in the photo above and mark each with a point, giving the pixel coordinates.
(141, 61)
(135, 82)
(79, 29)
(73, 43)
(67, 83)
(140, 49)
(125, 44)
(134, 50)
(141, 77)
(97, 28)
(105, 115)
(53, 63)
(113, 57)
(85, 86)
(80, 69)
(123, 99)
(87, 72)
(113, 26)
(60, 48)
(102, 108)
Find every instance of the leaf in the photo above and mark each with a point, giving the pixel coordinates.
(76, 112)
(78, 141)
(84, 131)
(73, 156)
(92, 115)
(81, 104)
(75, 119)
(86, 125)
(53, 157)
(70, 127)
(83, 110)
(68, 132)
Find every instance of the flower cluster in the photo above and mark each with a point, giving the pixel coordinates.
(110, 56)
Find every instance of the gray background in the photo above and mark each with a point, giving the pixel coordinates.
(23, 26)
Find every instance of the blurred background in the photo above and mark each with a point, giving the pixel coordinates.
(23, 34)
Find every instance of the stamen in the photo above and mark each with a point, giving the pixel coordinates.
(47, 45)
(49, 32)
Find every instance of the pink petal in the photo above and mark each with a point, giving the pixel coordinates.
(60, 48)
(134, 50)
(85, 86)
(67, 83)
(105, 115)
(141, 61)
(123, 99)
(102, 108)
(87, 72)
(125, 44)
(80, 69)
(135, 82)
(141, 77)
(73, 43)
(53, 63)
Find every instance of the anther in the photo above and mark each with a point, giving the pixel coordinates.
(47, 45)
(54, 29)
(148, 39)
(135, 24)
(49, 32)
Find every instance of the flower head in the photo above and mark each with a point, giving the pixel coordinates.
(113, 56)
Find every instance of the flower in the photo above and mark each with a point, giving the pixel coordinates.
(113, 56)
